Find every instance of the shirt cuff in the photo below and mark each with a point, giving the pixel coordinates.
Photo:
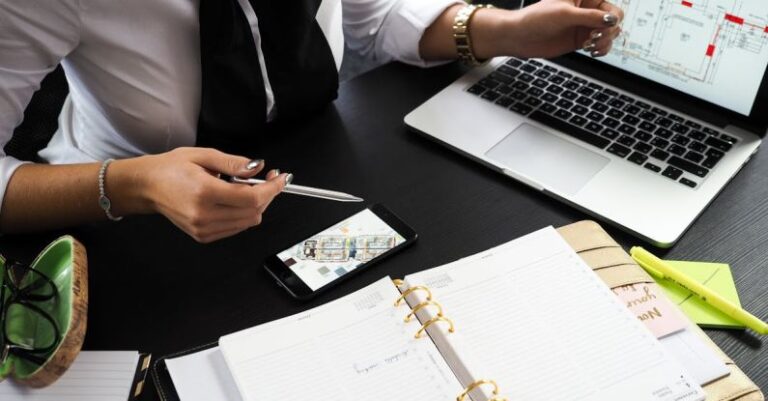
(403, 28)
(8, 166)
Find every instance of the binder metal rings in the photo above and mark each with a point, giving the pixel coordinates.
(479, 383)
(412, 289)
(434, 320)
(422, 305)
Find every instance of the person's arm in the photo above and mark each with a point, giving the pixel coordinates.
(420, 32)
(180, 184)
(34, 39)
(384, 30)
(546, 29)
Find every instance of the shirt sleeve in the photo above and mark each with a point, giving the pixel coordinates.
(34, 37)
(384, 30)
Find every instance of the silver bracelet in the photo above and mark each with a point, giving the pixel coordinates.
(104, 202)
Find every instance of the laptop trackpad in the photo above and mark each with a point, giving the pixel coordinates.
(553, 162)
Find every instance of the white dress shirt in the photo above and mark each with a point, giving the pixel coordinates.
(133, 67)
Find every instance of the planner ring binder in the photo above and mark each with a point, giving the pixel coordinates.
(423, 305)
(434, 320)
(479, 383)
(429, 302)
(412, 289)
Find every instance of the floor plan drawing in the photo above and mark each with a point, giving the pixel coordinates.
(706, 45)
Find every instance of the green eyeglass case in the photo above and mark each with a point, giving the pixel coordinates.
(65, 262)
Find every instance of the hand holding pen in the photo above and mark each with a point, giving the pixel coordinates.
(182, 185)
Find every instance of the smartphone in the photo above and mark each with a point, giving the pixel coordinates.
(347, 248)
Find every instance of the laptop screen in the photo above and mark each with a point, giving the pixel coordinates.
(716, 50)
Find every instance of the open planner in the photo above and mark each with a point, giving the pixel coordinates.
(527, 320)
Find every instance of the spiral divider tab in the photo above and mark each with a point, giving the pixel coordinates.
(429, 302)
(479, 383)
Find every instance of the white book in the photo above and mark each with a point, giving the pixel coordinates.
(529, 315)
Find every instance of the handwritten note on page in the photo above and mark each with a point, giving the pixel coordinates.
(94, 376)
(649, 304)
(357, 347)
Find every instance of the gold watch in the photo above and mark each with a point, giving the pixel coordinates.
(461, 31)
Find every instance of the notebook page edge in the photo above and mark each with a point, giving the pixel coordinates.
(202, 376)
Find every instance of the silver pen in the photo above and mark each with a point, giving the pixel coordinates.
(304, 191)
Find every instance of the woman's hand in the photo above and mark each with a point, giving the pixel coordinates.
(184, 186)
(549, 28)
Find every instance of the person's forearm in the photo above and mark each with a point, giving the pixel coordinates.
(41, 197)
(437, 43)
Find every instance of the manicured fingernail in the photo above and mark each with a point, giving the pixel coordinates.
(253, 164)
(595, 53)
(276, 172)
(589, 45)
(596, 35)
(288, 179)
(610, 19)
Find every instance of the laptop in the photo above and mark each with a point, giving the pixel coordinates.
(644, 138)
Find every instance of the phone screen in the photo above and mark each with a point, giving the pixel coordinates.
(340, 249)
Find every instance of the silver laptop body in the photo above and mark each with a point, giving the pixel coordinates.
(641, 165)
(657, 206)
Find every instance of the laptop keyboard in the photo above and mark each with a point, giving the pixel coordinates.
(653, 138)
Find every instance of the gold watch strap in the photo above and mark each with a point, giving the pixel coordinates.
(461, 33)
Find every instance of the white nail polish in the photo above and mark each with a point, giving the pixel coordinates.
(253, 164)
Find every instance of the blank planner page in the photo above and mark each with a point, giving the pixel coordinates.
(355, 348)
(533, 316)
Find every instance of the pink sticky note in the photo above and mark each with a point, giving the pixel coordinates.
(651, 306)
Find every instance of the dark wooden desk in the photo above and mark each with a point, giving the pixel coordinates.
(154, 289)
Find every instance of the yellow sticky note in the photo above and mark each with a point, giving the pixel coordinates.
(715, 276)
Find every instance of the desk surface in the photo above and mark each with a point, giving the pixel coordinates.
(154, 289)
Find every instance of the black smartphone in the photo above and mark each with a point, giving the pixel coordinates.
(349, 247)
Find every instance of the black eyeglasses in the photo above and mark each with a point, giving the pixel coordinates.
(27, 331)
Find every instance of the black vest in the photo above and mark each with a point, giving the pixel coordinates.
(299, 62)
